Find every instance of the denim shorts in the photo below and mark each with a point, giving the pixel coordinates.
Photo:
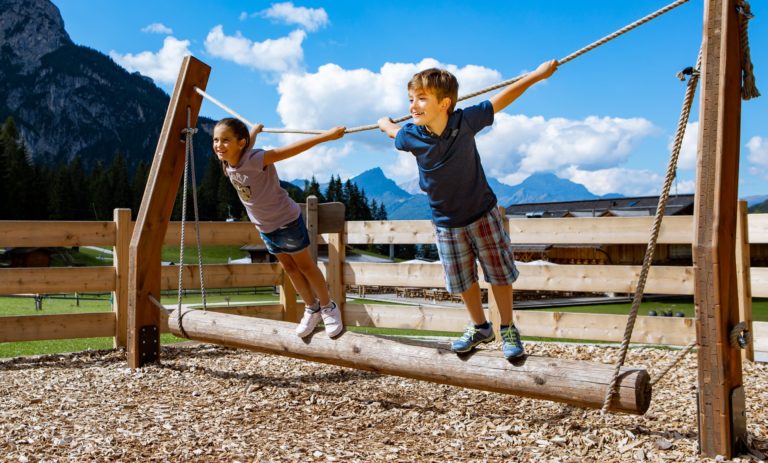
(288, 239)
(484, 240)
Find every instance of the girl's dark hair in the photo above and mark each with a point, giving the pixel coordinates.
(241, 132)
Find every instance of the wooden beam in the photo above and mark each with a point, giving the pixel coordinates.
(722, 424)
(49, 280)
(587, 278)
(574, 382)
(222, 276)
(310, 220)
(19, 233)
(675, 331)
(155, 212)
(61, 326)
(743, 277)
(120, 251)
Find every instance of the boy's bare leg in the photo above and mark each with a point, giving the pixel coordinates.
(503, 296)
(474, 302)
(297, 278)
(312, 275)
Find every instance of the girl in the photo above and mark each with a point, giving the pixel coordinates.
(276, 215)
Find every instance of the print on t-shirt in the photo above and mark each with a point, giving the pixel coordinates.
(244, 191)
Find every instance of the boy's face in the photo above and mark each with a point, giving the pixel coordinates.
(226, 145)
(425, 107)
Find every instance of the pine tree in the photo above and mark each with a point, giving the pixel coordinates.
(138, 184)
(334, 191)
(122, 196)
(313, 188)
(208, 192)
(16, 174)
(100, 193)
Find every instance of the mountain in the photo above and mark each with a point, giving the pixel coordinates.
(68, 100)
(755, 200)
(759, 208)
(377, 186)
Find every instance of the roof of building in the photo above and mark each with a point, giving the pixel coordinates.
(619, 207)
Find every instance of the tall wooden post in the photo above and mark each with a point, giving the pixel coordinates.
(722, 424)
(155, 212)
(120, 251)
(311, 221)
(744, 277)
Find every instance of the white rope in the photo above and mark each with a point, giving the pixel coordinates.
(562, 61)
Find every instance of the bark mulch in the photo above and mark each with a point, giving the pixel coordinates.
(210, 403)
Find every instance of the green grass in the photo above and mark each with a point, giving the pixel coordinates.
(59, 346)
(211, 254)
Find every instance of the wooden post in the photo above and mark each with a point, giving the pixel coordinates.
(311, 221)
(291, 308)
(744, 277)
(722, 424)
(575, 382)
(337, 254)
(155, 212)
(122, 218)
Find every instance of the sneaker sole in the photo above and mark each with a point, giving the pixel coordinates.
(473, 346)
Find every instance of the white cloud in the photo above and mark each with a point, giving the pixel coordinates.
(157, 28)
(162, 66)
(321, 161)
(280, 55)
(310, 19)
(629, 182)
(354, 97)
(758, 155)
(523, 144)
(689, 147)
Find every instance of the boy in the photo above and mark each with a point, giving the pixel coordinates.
(467, 224)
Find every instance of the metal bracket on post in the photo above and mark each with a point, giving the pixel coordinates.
(149, 344)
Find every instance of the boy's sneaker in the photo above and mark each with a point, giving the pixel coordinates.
(511, 344)
(332, 319)
(471, 338)
(309, 321)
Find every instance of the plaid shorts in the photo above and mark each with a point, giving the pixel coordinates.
(485, 240)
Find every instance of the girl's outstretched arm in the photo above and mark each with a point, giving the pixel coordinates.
(255, 131)
(278, 154)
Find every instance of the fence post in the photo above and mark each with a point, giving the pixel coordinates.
(743, 277)
(311, 222)
(337, 254)
(123, 230)
(288, 300)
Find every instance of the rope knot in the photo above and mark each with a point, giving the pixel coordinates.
(748, 87)
(689, 71)
(189, 130)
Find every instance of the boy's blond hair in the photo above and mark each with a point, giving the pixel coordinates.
(440, 82)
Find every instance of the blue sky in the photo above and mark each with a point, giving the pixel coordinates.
(605, 119)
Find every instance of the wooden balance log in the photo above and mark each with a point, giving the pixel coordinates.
(574, 382)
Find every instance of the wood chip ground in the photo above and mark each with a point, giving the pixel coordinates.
(212, 404)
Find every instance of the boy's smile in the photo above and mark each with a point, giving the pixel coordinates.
(226, 145)
(427, 111)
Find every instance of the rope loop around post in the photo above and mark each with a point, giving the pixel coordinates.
(748, 86)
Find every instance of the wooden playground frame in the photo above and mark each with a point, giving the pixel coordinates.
(714, 279)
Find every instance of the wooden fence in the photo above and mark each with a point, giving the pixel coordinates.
(672, 280)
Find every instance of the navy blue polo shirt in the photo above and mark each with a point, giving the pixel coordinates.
(450, 172)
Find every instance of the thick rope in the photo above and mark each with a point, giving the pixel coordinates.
(690, 91)
(189, 161)
(748, 87)
(562, 61)
(680, 355)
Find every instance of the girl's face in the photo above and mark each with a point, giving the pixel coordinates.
(226, 145)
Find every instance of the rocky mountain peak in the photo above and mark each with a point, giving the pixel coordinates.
(29, 30)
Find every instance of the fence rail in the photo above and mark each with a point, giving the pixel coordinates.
(672, 280)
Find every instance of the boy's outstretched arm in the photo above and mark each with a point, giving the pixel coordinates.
(512, 91)
(387, 126)
(278, 154)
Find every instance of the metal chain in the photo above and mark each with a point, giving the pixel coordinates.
(690, 91)
(562, 61)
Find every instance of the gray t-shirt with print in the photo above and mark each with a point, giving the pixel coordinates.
(268, 205)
